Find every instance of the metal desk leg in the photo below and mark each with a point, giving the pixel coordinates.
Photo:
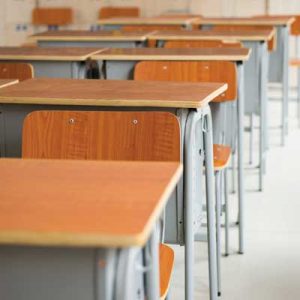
(226, 213)
(78, 70)
(285, 85)
(152, 262)
(105, 262)
(189, 196)
(240, 108)
(218, 191)
(129, 279)
(211, 203)
(263, 113)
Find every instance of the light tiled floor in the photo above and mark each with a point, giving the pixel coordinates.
(270, 267)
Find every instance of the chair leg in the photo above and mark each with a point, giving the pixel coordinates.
(218, 179)
(226, 213)
(233, 173)
(251, 139)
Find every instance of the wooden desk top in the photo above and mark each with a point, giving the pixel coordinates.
(147, 21)
(188, 54)
(257, 21)
(257, 35)
(7, 82)
(82, 203)
(86, 35)
(51, 53)
(112, 93)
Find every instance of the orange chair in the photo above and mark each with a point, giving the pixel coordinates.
(141, 136)
(21, 71)
(116, 11)
(202, 44)
(53, 17)
(271, 43)
(207, 71)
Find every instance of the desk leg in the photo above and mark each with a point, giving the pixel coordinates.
(78, 70)
(263, 113)
(130, 268)
(105, 261)
(152, 262)
(211, 203)
(189, 196)
(285, 85)
(240, 108)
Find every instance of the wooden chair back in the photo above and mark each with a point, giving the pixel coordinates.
(52, 16)
(115, 11)
(95, 135)
(271, 43)
(295, 27)
(202, 44)
(21, 71)
(204, 71)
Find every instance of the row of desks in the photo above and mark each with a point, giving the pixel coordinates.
(192, 110)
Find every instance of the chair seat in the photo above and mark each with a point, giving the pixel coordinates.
(222, 156)
(295, 62)
(166, 262)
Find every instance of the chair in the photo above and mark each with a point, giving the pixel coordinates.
(271, 44)
(207, 71)
(202, 44)
(21, 71)
(53, 17)
(141, 136)
(116, 11)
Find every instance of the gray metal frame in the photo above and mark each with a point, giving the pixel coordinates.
(279, 72)
(29, 273)
(56, 69)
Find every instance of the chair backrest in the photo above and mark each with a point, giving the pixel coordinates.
(204, 71)
(94, 135)
(202, 44)
(115, 11)
(271, 43)
(295, 27)
(21, 71)
(54, 16)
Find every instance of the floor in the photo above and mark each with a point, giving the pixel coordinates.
(270, 267)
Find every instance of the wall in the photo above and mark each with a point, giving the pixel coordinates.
(15, 15)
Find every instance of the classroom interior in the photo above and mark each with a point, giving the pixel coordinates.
(149, 149)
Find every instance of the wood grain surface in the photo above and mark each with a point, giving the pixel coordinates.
(82, 203)
(261, 35)
(231, 54)
(87, 35)
(20, 71)
(51, 53)
(257, 20)
(201, 71)
(112, 93)
(146, 136)
(7, 82)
